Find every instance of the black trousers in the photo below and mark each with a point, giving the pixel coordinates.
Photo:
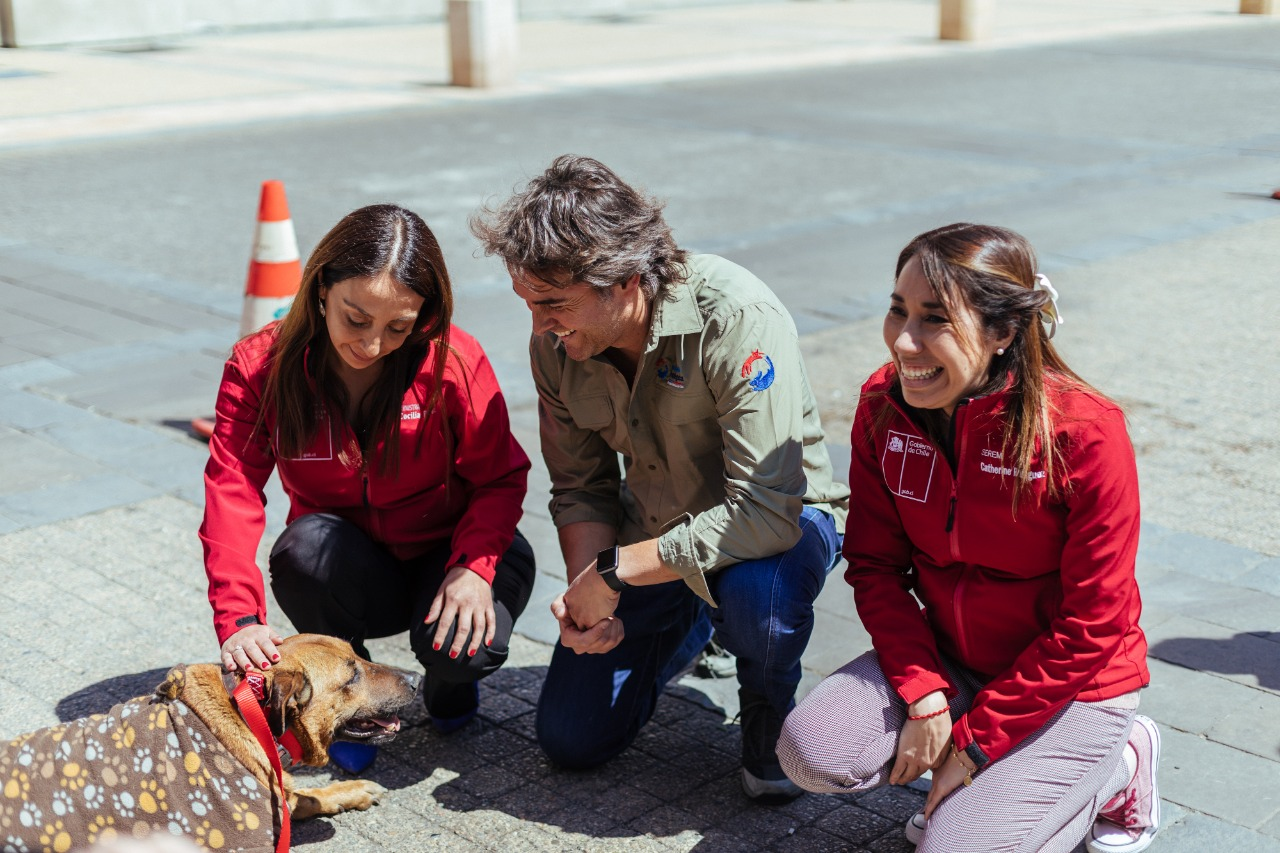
(331, 578)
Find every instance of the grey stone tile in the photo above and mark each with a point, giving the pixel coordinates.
(15, 324)
(537, 623)
(1252, 725)
(1226, 604)
(855, 824)
(31, 462)
(19, 709)
(31, 372)
(1198, 833)
(12, 356)
(114, 355)
(1218, 780)
(836, 596)
(835, 642)
(127, 302)
(101, 438)
(1165, 700)
(1271, 827)
(1265, 577)
(167, 465)
(24, 410)
(1197, 555)
(74, 498)
(164, 389)
(97, 321)
(50, 343)
(1200, 645)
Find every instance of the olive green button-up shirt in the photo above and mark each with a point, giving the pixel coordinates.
(718, 435)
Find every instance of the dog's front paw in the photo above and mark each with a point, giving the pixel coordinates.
(368, 795)
(337, 797)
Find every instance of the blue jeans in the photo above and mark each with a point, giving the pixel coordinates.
(592, 706)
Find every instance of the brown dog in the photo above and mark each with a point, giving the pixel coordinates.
(183, 761)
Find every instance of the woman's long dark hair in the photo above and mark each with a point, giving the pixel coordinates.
(382, 239)
(992, 271)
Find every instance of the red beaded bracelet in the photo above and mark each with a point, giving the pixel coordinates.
(944, 709)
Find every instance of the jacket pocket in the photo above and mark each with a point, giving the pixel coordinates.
(593, 412)
(680, 407)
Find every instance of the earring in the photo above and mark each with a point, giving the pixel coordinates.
(999, 350)
(322, 310)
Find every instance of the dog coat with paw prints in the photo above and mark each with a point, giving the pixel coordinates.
(147, 766)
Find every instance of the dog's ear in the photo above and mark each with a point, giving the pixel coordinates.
(289, 693)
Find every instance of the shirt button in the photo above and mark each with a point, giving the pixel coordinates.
(635, 422)
(653, 467)
(654, 519)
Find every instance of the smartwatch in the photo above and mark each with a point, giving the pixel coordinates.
(607, 568)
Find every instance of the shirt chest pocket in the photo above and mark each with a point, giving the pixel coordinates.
(682, 407)
(594, 412)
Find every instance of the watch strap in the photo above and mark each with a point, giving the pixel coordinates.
(607, 568)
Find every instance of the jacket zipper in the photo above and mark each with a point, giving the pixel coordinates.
(953, 535)
(957, 430)
(956, 613)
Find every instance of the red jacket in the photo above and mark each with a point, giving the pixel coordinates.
(1042, 606)
(475, 505)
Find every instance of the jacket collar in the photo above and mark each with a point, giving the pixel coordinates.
(677, 313)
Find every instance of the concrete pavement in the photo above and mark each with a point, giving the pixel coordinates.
(100, 586)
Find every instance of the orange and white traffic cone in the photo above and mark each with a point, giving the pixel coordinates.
(275, 272)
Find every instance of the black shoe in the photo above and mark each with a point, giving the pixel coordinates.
(762, 777)
(714, 662)
(451, 706)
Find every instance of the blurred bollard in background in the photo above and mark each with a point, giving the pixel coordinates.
(483, 44)
(965, 20)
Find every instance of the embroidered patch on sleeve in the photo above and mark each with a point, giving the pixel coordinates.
(758, 370)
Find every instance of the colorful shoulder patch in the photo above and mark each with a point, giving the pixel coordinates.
(758, 370)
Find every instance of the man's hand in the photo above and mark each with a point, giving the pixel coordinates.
(597, 639)
(589, 600)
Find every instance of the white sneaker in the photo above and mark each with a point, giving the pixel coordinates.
(914, 828)
(1129, 822)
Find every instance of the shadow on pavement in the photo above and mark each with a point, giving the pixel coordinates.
(1246, 653)
(101, 696)
(680, 777)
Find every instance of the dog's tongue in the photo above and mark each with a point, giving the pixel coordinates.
(391, 723)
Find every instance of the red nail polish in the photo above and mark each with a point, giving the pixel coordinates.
(266, 665)
(275, 657)
(436, 647)
(471, 653)
(452, 653)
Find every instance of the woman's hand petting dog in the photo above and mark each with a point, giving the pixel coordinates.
(251, 646)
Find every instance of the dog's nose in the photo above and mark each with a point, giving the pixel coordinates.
(413, 680)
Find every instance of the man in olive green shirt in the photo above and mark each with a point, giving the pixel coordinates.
(688, 367)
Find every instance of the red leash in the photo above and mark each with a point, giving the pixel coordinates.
(247, 696)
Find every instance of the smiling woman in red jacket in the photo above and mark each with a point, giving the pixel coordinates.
(390, 435)
(991, 544)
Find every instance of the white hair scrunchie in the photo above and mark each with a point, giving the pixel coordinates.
(1050, 313)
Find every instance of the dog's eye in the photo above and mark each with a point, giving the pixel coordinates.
(355, 677)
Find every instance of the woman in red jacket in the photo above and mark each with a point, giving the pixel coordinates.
(997, 489)
(391, 438)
